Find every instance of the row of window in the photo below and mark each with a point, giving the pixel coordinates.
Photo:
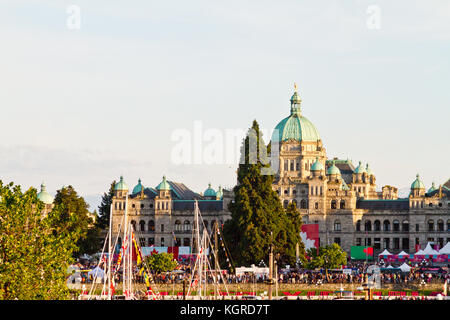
(143, 242)
(420, 204)
(386, 225)
(179, 227)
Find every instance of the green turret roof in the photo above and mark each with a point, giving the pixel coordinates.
(417, 184)
(164, 185)
(333, 169)
(138, 188)
(360, 168)
(433, 188)
(209, 192)
(369, 172)
(317, 166)
(44, 196)
(121, 185)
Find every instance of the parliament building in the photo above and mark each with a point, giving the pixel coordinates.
(341, 198)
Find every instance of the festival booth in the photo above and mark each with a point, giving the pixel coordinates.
(97, 273)
(402, 256)
(444, 253)
(385, 255)
(430, 253)
(405, 268)
(419, 256)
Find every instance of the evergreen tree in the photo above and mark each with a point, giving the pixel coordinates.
(105, 207)
(295, 220)
(257, 217)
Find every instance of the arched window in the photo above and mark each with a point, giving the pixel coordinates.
(187, 225)
(316, 205)
(405, 226)
(133, 224)
(151, 225)
(440, 225)
(295, 202)
(303, 204)
(386, 225)
(333, 204)
(178, 226)
(396, 226)
(285, 204)
(342, 205)
(142, 225)
(358, 225)
(368, 225)
(337, 225)
(430, 225)
(377, 225)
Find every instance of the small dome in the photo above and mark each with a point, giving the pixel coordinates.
(138, 188)
(360, 168)
(333, 169)
(164, 185)
(317, 166)
(219, 193)
(121, 185)
(369, 172)
(44, 196)
(209, 192)
(433, 188)
(417, 184)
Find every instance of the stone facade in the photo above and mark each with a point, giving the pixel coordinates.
(164, 216)
(344, 200)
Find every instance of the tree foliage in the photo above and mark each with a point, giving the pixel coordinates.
(161, 262)
(34, 254)
(257, 217)
(105, 207)
(328, 257)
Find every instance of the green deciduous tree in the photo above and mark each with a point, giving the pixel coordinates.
(161, 262)
(328, 257)
(34, 255)
(257, 217)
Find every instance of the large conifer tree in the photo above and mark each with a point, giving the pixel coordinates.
(258, 218)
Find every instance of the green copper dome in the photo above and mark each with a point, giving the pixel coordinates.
(333, 169)
(417, 184)
(209, 192)
(138, 188)
(121, 185)
(317, 166)
(219, 194)
(433, 188)
(295, 126)
(360, 168)
(369, 172)
(164, 185)
(44, 196)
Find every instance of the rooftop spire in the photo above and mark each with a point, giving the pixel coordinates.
(295, 102)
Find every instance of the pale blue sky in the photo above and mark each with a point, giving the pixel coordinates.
(84, 106)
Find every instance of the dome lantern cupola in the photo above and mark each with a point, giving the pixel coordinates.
(164, 185)
(295, 127)
(44, 196)
(209, 192)
(417, 184)
(219, 193)
(333, 170)
(433, 188)
(138, 188)
(360, 168)
(121, 185)
(317, 165)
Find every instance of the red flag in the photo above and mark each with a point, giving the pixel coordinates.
(368, 251)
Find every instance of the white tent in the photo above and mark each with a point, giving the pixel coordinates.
(445, 249)
(403, 253)
(97, 272)
(385, 253)
(390, 267)
(419, 253)
(405, 268)
(429, 250)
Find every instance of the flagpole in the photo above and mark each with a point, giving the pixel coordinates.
(109, 253)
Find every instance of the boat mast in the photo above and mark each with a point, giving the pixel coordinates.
(110, 255)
